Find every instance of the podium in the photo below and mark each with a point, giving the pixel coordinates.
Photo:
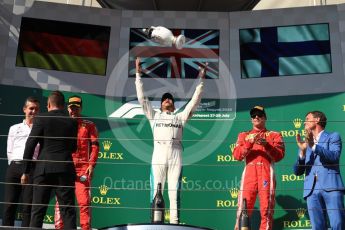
(155, 227)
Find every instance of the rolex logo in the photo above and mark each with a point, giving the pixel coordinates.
(301, 212)
(232, 147)
(297, 122)
(103, 189)
(167, 216)
(234, 193)
(106, 145)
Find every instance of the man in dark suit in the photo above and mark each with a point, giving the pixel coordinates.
(318, 158)
(56, 133)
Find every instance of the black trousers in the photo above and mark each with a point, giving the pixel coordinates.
(65, 197)
(13, 190)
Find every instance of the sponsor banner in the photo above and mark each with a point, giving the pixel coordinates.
(211, 177)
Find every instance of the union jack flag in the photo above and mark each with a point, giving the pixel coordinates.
(168, 62)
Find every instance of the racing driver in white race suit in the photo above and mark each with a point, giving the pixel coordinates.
(167, 130)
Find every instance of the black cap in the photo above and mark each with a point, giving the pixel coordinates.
(74, 101)
(258, 109)
(167, 96)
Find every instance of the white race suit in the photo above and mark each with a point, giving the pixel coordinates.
(167, 131)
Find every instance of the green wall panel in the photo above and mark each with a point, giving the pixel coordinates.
(121, 190)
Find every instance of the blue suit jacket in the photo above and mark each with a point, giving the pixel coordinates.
(323, 162)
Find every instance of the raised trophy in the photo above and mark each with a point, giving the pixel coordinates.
(164, 36)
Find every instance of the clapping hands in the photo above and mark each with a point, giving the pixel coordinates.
(303, 144)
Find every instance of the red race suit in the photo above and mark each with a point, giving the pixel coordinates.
(85, 156)
(258, 175)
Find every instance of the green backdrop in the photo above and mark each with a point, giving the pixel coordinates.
(211, 176)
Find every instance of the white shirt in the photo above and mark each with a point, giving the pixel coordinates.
(316, 140)
(17, 136)
(167, 127)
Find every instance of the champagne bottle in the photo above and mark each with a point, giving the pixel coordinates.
(158, 207)
(244, 218)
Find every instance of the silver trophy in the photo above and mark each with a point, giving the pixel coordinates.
(164, 36)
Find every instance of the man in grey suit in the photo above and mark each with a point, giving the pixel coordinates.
(54, 170)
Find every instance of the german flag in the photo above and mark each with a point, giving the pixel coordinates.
(63, 46)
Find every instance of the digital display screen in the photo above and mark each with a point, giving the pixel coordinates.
(63, 46)
(285, 50)
(159, 61)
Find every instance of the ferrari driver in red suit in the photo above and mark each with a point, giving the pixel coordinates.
(84, 161)
(260, 149)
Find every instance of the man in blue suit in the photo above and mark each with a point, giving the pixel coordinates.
(319, 156)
